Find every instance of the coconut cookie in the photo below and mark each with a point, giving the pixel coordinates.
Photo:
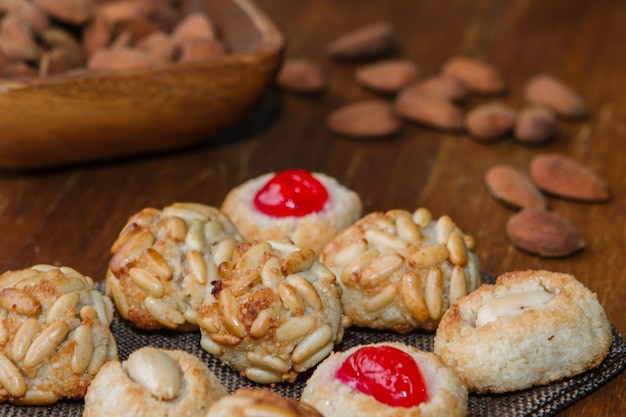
(308, 209)
(530, 328)
(54, 334)
(385, 379)
(247, 402)
(163, 262)
(153, 382)
(274, 313)
(400, 270)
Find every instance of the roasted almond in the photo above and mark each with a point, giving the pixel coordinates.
(546, 90)
(17, 39)
(122, 58)
(97, 34)
(564, 177)
(193, 26)
(200, 49)
(478, 76)
(490, 121)
(513, 187)
(158, 45)
(429, 110)
(302, 75)
(387, 76)
(448, 88)
(371, 41)
(544, 233)
(369, 119)
(32, 14)
(75, 12)
(535, 125)
(57, 61)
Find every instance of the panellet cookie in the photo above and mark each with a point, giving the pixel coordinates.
(248, 402)
(274, 313)
(153, 382)
(54, 334)
(163, 262)
(530, 328)
(307, 208)
(385, 380)
(400, 270)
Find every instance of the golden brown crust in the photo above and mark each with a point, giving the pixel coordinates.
(516, 348)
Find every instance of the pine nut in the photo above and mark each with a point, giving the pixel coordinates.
(413, 297)
(456, 248)
(63, 306)
(271, 275)
(383, 239)
(297, 261)
(314, 359)
(197, 267)
(428, 256)
(312, 344)
(434, 292)
(45, 343)
(422, 217)
(269, 362)
(381, 269)
(24, 338)
(306, 291)
(458, 286)
(381, 300)
(83, 350)
(295, 328)
(156, 263)
(291, 299)
(350, 252)
(162, 313)
(262, 376)
(195, 236)
(11, 377)
(355, 268)
(261, 324)
(230, 316)
(12, 299)
(443, 228)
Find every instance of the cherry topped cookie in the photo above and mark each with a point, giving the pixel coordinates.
(307, 208)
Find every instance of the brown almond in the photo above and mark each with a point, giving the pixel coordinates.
(371, 41)
(119, 59)
(200, 49)
(115, 11)
(74, 12)
(19, 71)
(535, 125)
(138, 27)
(429, 110)
(97, 34)
(388, 76)
(369, 119)
(57, 61)
(514, 188)
(195, 25)
(57, 38)
(564, 177)
(448, 88)
(302, 75)
(544, 233)
(490, 121)
(546, 90)
(478, 76)
(17, 39)
(158, 45)
(32, 14)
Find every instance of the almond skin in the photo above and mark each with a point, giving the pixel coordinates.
(367, 42)
(490, 121)
(387, 76)
(564, 177)
(546, 90)
(535, 125)
(448, 88)
(429, 110)
(368, 119)
(478, 76)
(514, 188)
(544, 233)
(302, 75)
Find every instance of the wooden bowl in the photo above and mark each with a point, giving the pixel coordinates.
(67, 119)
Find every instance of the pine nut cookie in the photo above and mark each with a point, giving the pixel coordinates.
(306, 208)
(274, 313)
(385, 380)
(531, 328)
(247, 402)
(153, 382)
(400, 271)
(165, 260)
(54, 334)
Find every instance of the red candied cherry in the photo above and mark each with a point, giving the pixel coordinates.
(293, 192)
(387, 373)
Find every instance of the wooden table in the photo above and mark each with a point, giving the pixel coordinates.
(70, 216)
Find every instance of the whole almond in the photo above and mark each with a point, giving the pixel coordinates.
(37, 19)
(97, 34)
(17, 39)
(75, 12)
(514, 188)
(544, 233)
(490, 121)
(158, 45)
(195, 25)
(562, 176)
(200, 49)
(478, 76)
(448, 88)
(57, 38)
(429, 110)
(369, 119)
(302, 75)
(546, 90)
(535, 125)
(57, 61)
(387, 76)
(119, 59)
(371, 41)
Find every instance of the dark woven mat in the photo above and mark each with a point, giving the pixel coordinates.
(539, 401)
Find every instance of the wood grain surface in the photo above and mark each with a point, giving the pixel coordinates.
(71, 215)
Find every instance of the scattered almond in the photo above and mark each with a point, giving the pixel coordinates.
(371, 41)
(514, 188)
(387, 76)
(562, 176)
(193, 26)
(17, 40)
(546, 90)
(57, 61)
(32, 14)
(429, 110)
(97, 34)
(535, 125)
(369, 119)
(478, 76)
(200, 49)
(490, 121)
(448, 88)
(302, 75)
(158, 45)
(544, 233)
(119, 59)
